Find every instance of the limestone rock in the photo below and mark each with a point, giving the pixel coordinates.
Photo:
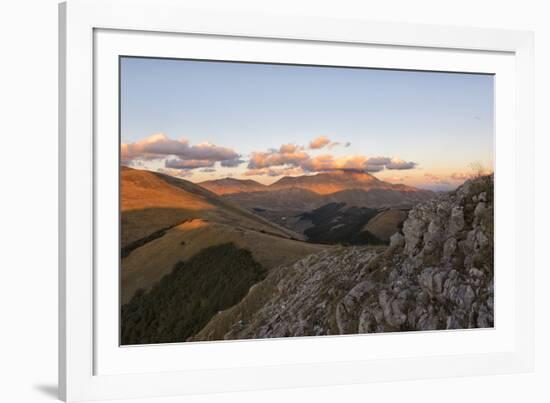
(437, 274)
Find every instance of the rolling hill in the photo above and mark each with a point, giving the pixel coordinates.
(165, 220)
(230, 185)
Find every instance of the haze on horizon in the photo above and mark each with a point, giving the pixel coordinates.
(204, 120)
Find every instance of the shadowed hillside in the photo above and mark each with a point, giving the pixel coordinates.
(186, 299)
(152, 201)
(300, 203)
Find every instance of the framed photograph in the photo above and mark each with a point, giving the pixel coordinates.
(255, 201)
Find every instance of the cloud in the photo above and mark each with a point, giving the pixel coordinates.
(188, 164)
(159, 146)
(379, 160)
(460, 176)
(327, 162)
(400, 164)
(354, 162)
(274, 172)
(288, 159)
(231, 163)
(324, 141)
(293, 156)
(136, 163)
(290, 148)
(319, 142)
(287, 154)
(175, 172)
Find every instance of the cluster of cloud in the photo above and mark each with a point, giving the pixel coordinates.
(446, 179)
(181, 158)
(296, 158)
(290, 155)
(287, 154)
(175, 172)
(181, 154)
(275, 171)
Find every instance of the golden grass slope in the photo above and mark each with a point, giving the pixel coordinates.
(193, 218)
(148, 264)
(151, 201)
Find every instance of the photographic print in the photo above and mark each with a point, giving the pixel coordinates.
(264, 200)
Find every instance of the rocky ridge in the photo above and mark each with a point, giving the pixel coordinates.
(437, 274)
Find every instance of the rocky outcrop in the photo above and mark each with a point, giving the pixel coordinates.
(436, 274)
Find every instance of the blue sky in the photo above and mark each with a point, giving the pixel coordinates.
(440, 121)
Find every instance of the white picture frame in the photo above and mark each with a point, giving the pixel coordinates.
(92, 367)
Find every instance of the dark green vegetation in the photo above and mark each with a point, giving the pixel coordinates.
(126, 250)
(334, 223)
(183, 301)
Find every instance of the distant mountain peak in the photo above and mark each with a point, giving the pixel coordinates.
(230, 185)
(322, 183)
(229, 179)
(333, 181)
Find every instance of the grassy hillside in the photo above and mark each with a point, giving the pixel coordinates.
(186, 299)
(230, 185)
(165, 220)
(147, 264)
(151, 201)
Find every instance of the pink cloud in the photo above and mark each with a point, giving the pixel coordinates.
(319, 142)
(287, 154)
(274, 171)
(460, 176)
(160, 146)
(397, 163)
(188, 164)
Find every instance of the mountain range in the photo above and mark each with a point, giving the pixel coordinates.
(437, 273)
(191, 251)
(197, 266)
(165, 220)
(321, 183)
(308, 192)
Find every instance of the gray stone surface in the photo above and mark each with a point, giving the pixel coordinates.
(437, 274)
